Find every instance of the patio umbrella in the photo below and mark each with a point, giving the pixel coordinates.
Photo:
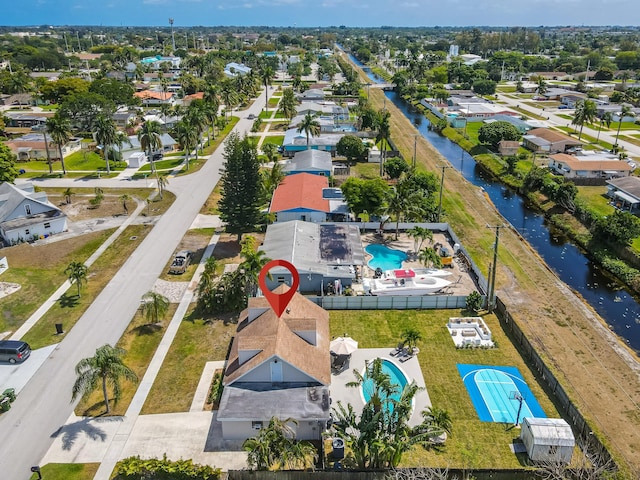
(343, 346)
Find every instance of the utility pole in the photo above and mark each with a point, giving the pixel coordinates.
(443, 167)
(173, 38)
(492, 280)
(415, 146)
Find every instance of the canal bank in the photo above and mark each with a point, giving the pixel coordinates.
(588, 359)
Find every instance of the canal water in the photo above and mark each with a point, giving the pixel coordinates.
(616, 306)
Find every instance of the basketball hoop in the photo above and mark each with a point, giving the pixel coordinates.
(515, 395)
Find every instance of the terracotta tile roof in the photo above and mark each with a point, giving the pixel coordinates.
(551, 136)
(272, 336)
(302, 190)
(195, 96)
(155, 95)
(593, 165)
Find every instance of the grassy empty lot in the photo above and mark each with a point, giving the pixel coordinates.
(162, 165)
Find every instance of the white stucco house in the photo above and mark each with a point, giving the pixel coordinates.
(27, 215)
(278, 367)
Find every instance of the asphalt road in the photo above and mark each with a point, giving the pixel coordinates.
(44, 404)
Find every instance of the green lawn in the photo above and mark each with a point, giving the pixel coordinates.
(595, 199)
(625, 126)
(169, 164)
(275, 139)
(67, 471)
(196, 343)
(366, 170)
(473, 444)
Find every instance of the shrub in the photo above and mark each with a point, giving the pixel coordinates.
(474, 302)
(135, 468)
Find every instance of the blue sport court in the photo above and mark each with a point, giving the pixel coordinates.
(496, 393)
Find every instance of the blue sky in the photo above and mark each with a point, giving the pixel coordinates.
(311, 13)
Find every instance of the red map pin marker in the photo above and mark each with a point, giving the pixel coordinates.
(279, 301)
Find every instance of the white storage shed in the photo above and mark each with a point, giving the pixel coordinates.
(137, 159)
(548, 439)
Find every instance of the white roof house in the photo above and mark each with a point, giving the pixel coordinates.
(27, 215)
(548, 439)
(234, 69)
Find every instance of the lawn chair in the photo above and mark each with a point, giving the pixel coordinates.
(339, 362)
(409, 354)
(398, 350)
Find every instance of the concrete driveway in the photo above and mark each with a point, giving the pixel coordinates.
(17, 375)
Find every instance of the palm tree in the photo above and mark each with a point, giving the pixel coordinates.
(430, 258)
(271, 151)
(186, 134)
(197, 118)
(288, 103)
(437, 422)
(624, 111)
(68, 193)
(419, 235)
(275, 448)
(107, 367)
(106, 135)
(59, 128)
(77, 273)
(163, 181)
(266, 74)
(154, 306)
(381, 434)
(310, 126)
(228, 96)
(125, 198)
(253, 261)
(410, 338)
(384, 133)
(207, 283)
(586, 112)
(150, 140)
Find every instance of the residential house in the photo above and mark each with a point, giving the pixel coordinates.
(507, 148)
(625, 193)
(521, 125)
(158, 62)
(329, 109)
(543, 140)
(328, 123)
(26, 214)
(33, 121)
(307, 197)
(315, 162)
(151, 98)
(474, 111)
(570, 99)
(18, 99)
(234, 69)
(551, 75)
(32, 146)
(124, 119)
(186, 101)
(278, 367)
(572, 167)
(323, 254)
(313, 94)
(167, 141)
(295, 141)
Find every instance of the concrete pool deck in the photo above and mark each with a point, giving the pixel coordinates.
(462, 281)
(411, 369)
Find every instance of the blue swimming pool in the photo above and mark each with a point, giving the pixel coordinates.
(397, 378)
(384, 257)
